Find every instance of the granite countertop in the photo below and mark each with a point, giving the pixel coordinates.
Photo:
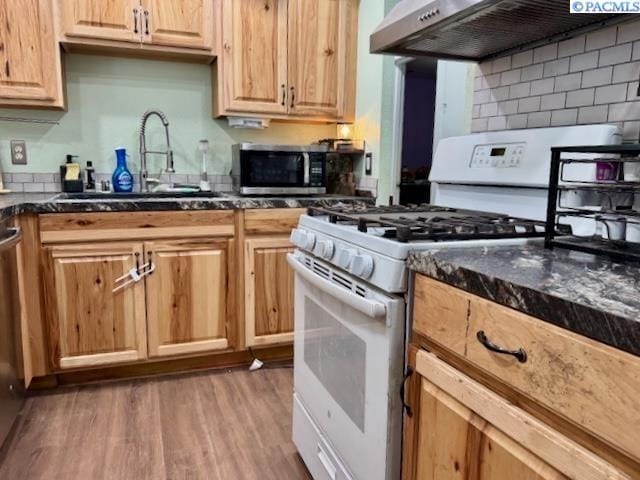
(587, 294)
(17, 203)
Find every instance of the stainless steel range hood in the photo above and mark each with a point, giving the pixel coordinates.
(477, 29)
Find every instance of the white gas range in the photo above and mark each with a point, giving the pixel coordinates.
(351, 289)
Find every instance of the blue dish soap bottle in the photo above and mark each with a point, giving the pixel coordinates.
(122, 179)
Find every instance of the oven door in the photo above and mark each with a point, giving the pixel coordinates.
(348, 369)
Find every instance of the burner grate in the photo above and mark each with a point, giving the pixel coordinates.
(432, 223)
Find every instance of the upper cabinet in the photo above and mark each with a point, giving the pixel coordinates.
(254, 56)
(292, 59)
(30, 66)
(112, 20)
(142, 23)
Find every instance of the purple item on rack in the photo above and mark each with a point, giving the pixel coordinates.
(606, 171)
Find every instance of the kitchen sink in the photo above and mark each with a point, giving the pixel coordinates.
(136, 195)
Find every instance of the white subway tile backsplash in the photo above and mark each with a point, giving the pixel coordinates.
(580, 98)
(539, 120)
(597, 77)
(572, 46)
(626, 72)
(611, 94)
(508, 107)
(584, 61)
(517, 121)
(546, 53)
(630, 131)
(602, 38)
(520, 90)
(497, 94)
(556, 67)
(632, 91)
(489, 110)
(14, 187)
(22, 177)
(620, 112)
(554, 101)
(541, 87)
(34, 187)
(530, 104)
(51, 187)
(522, 59)
(590, 78)
(568, 82)
(497, 123)
(564, 117)
(628, 32)
(481, 96)
(492, 81)
(43, 177)
(479, 124)
(532, 72)
(597, 114)
(501, 64)
(615, 55)
(510, 77)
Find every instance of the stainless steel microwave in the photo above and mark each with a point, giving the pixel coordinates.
(279, 169)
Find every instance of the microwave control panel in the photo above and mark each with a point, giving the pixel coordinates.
(508, 155)
(316, 170)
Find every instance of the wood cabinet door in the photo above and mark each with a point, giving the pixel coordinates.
(106, 19)
(268, 291)
(319, 56)
(30, 69)
(254, 56)
(178, 23)
(189, 296)
(88, 323)
(455, 443)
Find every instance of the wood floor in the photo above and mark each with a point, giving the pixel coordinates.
(224, 425)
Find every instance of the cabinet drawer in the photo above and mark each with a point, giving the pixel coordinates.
(588, 383)
(114, 226)
(273, 220)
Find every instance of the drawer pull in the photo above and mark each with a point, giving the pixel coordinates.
(520, 354)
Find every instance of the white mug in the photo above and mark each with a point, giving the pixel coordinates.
(613, 227)
(633, 232)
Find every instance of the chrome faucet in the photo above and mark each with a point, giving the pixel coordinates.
(144, 180)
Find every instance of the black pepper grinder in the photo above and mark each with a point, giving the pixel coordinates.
(90, 185)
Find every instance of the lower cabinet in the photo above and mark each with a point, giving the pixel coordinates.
(188, 296)
(182, 307)
(459, 429)
(89, 324)
(268, 291)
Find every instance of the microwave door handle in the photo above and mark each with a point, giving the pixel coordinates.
(307, 168)
(370, 308)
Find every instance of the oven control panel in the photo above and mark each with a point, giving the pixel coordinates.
(507, 155)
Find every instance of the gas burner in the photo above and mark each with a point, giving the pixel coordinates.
(430, 223)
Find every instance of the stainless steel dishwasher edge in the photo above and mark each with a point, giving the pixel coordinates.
(11, 365)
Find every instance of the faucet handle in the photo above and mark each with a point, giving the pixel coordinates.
(170, 168)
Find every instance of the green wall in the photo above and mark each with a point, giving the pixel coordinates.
(106, 98)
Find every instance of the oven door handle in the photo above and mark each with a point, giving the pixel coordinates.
(370, 308)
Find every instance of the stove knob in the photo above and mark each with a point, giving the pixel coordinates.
(345, 255)
(309, 241)
(298, 237)
(362, 266)
(324, 249)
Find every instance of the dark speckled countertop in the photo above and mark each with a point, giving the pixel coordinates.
(17, 203)
(587, 294)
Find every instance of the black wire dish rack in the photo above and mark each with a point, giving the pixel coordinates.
(602, 208)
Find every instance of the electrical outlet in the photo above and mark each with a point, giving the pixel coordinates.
(18, 152)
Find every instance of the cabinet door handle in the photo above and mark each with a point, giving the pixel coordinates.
(146, 22)
(135, 20)
(293, 97)
(284, 94)
(520, 354)
(405, 405)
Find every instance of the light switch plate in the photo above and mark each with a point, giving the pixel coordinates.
(18, 152)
